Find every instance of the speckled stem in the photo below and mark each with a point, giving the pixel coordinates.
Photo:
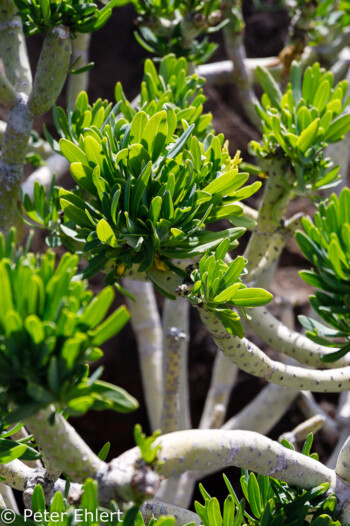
(252, 360)
(223, 72)
(170, 413)
(222, 381)
(146, 324)
(8, 94)
(343, 419)
(309, 407)
(78, 83)
(289, 342)
(234, 45)
(342, 467)
(202, 449)
(267, 238)
(64, 450)
(14, 147)
(176, 314)
(15, 474)
(13, 50)
(52, 69)
(8, 497)
(264, 411)
(302, 430)
(263, 273)
(154, 508)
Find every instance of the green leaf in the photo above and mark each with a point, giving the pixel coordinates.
(339, 127)
(111, 326)
(308, 136)
(227, 294)
(103, 453)
(250, 297)
(270, 86)
(155, 133)
(106, 234)
(72, 152)
(254, 495)
(118, 399)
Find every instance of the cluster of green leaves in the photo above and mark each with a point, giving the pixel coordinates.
(299, 124)
(271, 503)
(81, 16)
(171, 87)
(12, 449)
(218, 286)
(174, 26)
(325, 242)
(87, 513)
(149, 450)
(147, 186)
(50, 327)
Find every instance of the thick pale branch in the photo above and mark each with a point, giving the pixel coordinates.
(310, 407)
(170, 414)
(264, 411)
(13, 51)
(222, 381)
(176, 314)
(62, 447)
(15, 474)
(8, 497)
(146, 324)
(78, 83)
(154, 508)
(243, 79)
(8, 94)
(202, 449)
(252, 360)
(342, 467)
(51, 71)
(289, 342)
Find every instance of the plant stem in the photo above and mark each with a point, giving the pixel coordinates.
(8, 94)
(79, 82)
(8, 498)
(252, 360)
(176, 314)
(202, 449)
(51, 72)
(15, 474)
(223, 378)
(146, 324)
(264, 411)
(170, 413)
(289, 342)
(234, 45)
(267, 240)
(63, 449)
(154, 508)
(13, 50)
(309, 407)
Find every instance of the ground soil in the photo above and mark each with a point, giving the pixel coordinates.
(117, 56)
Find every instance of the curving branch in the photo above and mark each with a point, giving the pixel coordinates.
(62, 447)
(289, 342)
(252, 360)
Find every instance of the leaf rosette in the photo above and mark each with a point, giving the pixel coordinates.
(325, 242)
(51, 327)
